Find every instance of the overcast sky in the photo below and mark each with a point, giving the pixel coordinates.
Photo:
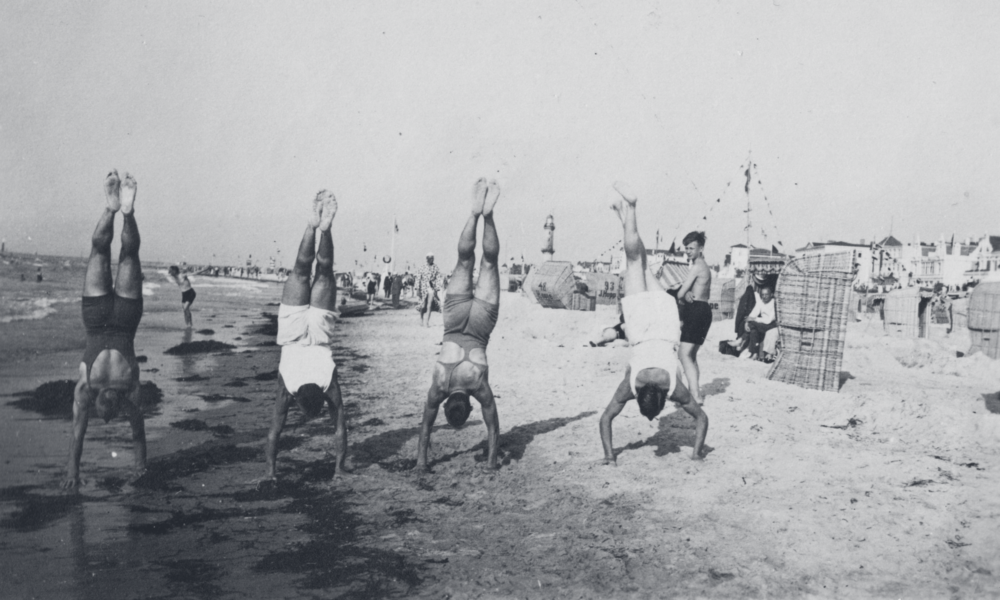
(859, 116)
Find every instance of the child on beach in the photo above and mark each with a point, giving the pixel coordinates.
(109, 372)
(469, 316)
(307, 373)
(653, 328)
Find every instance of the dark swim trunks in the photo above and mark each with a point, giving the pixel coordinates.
(469, 321)
(110, 322)
(188, 296)
(696, 318)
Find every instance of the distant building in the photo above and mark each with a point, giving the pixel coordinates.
(862, 253)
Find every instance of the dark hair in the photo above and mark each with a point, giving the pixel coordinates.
(310, 399)
(108, 404)
(174, 269)
(695, 236)
(457, 409)
(651, 400)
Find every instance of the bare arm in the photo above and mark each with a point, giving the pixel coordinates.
(336, 404)
(135, 419)
(683, 396)
(81, 411)
(280, 413)
(485, 397)
(622, 395)
(435, 396)
(688, 284)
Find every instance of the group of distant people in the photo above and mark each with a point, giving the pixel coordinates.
(664, 329)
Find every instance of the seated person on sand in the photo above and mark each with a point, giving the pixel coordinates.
(109, 372)
(760, 320)
(654, 331)
(941, 301)
(187, 292)
(307, 373)
(611, 334)
(469, 318)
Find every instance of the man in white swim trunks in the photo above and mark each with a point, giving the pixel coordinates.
(307, 372)
(654, 332)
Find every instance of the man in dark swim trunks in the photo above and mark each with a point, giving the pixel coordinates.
(469, 318)
(307, 373)
(653, 329)
(695, 311)
(187, 292)
(109, 373)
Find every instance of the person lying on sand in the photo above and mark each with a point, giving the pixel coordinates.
(307, 373)
(469, 317)
(654, 331)
(187, 292)
(109, 372)
(611, 334)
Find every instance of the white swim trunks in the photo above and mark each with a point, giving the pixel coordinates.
(304, 336)
(653, 328)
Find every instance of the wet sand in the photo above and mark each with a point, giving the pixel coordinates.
(885, 489)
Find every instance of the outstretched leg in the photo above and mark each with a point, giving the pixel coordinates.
(97, 279)
(635, 251)
(324, 286)
(488, 286)
(297, 288)
(128, 284)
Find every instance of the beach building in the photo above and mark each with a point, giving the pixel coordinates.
(948, 262)
(985, 259)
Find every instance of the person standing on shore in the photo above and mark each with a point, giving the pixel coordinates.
(653, 328)
(428, 280)
(109, 372)
(187, 292)
(470, 313)
(695, 311)
(307, 372)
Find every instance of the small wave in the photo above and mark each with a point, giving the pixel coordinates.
(27, 309)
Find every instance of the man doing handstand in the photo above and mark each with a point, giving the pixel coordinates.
(653, 329)
(469, 318)
(109, 372)
(307, 372)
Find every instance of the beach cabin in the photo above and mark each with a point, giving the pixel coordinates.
(905, 313)
(984, 319)
(812, 296)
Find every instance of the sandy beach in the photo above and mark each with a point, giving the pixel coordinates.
(885, 489)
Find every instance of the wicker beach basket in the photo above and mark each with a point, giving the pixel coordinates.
(905, 313)
(812, 297)
(984, 319)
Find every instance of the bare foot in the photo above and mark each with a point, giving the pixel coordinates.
(137, 474)
(329, 210)
(128, 194)
(492, 195)
(112, 186)
(696, 456)
(617, 207)
(479, 191)
(623, 189)
(72, 484)
(265, 484)
(604, 462)
(316, 210)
